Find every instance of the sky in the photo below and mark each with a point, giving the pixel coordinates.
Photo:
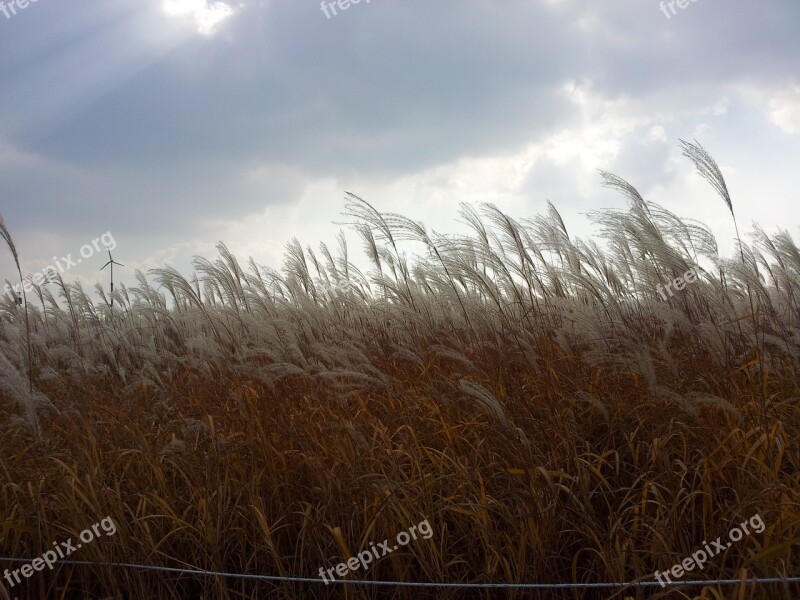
(171, 125)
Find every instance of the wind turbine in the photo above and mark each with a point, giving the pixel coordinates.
(111, 262)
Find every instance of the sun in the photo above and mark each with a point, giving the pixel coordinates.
(206, 14)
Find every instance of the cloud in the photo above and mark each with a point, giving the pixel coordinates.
(207, 15)
(784, 110)
(120, 116)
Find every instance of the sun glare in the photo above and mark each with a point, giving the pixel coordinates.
(206, 14)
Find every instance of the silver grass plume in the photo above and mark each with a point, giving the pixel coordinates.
(8, 371)
(707, 167)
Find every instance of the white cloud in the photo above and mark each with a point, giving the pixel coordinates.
(657, 134)
(207, 15)
(784, 110)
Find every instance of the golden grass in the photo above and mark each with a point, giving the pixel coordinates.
(553, 423)
(226, 474)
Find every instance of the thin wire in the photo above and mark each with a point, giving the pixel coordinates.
(540, 586)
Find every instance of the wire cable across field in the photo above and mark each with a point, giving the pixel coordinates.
(428, 584)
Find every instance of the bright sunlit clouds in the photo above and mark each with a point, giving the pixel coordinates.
(181, 123)
(206, 15)
(785, 110)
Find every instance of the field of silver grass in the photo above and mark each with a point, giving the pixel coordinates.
(553, 413)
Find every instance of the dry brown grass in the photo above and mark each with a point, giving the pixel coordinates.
(554, 423)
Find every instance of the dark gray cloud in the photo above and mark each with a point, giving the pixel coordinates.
(116, 113)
